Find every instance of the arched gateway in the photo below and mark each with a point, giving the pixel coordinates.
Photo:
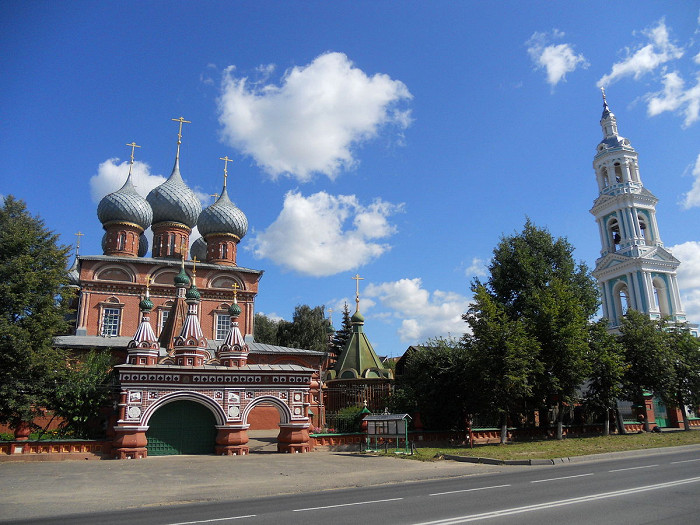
(195, 401)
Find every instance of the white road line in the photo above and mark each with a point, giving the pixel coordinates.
(563, 477)
(347, 504)
(468, 490)
(684, 461)
(632, 468)
(557, 503)
(213, 520)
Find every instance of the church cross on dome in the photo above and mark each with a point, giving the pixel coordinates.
(182, 121)
(226, 161)
(77, 243)
(357, 280)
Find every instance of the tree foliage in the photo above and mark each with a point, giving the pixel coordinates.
(608, 367)
(306, 330)
(265, 329)
(82, 389)
(502, 356)
(341, 336)
(436, 382)
(685, 358)
(33, 309)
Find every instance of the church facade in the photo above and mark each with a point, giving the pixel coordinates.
(191, 378)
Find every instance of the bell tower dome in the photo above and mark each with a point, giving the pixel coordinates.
(634, 270)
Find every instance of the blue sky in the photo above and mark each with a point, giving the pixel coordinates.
(399, 140)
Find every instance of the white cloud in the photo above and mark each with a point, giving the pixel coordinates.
(692, 198)
(556, 60)
(314, 119)
(323, 234)
(646, 58)
(674, 97)
(477, 268)
(689, 277)
(424, 315)
(111, 175)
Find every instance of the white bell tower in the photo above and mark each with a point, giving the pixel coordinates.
(634, 270)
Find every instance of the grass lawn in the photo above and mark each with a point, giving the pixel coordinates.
(552, 449)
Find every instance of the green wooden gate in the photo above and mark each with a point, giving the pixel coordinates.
(181, 427)
(660, 413)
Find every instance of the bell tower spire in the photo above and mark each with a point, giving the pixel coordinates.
(634, 270)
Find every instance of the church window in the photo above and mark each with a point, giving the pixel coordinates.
(622, 299)
(171, 244)
(223, 250)
(606, 179)
(645, 231)
(110, 321)
(121, 241)
(618, 173)
(114, 274)
(223, 325)
(614, 231)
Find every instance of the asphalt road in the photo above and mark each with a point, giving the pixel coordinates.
(652, 487)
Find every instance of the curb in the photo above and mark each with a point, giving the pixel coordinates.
(573, 459)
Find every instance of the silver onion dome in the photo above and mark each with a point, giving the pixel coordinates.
(174, 201)
(125, 205)
(199, 249)
(223, 217)
(143, 245)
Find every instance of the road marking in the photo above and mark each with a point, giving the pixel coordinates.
(563, 477)
(347, 504)
(632, 468)
(468, 490)
(214, 519)
(557, 503)
(684, 461)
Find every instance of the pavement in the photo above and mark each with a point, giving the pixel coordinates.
(54, 489)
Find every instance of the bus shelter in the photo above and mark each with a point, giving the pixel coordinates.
(383, 429)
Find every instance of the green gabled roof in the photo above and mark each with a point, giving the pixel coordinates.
(358, 354)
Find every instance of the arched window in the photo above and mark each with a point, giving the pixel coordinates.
(223, 250)
(645, 231)
(618, 173)
(614, 234)
(171, 244)
(622, 299)
(121, 241)
(606, 179)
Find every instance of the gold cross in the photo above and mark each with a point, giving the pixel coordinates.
(602, 89)
(133, 146)
(235, 287)
(182, 249)
(357, 279)
(194, 266)
(182, 121)
(330, 315)
(226, 161)
(149, 282)
(215, 195)
(77, 244)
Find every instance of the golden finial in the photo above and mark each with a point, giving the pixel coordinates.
(194, 266)
(182, 121)
(330, 315)
(226, 161)
(215, 195)
(77, 243)
(235, 287)
(602, 90)
(357, 280)
(149, 281)
(182, 250)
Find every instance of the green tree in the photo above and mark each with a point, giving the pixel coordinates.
(437, 382)
(342, 335)
(685, 359)
(33, 308)
(306, 330)
(607, 361)
(502, 358)
(535, 278)
(265, 329)
(82, 389)
(649, 358)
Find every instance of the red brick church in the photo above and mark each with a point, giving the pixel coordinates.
(192, 379)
